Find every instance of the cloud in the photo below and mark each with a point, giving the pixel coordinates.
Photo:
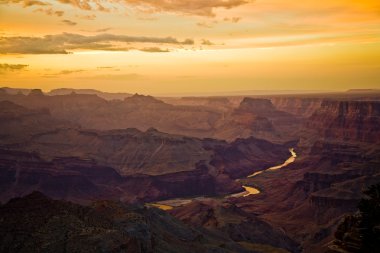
(207, 43)
(28, 3)
(5, 67)
(154, 50)
(102, 30)
(105, 67)
(69, 22)
(63, 72)
(69, 71)
(87, 17)
(66, 42)
(207, 24)
(188, 7)
(88, 4)
(25, 3)
(50, 12)
(233, 19)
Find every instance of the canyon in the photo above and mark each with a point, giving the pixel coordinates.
(223, 161)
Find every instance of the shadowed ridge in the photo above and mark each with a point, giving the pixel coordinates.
(35, 223)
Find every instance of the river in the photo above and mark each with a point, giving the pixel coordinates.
(251, 190)
(248, 190)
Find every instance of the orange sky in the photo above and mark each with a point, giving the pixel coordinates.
(190, 46)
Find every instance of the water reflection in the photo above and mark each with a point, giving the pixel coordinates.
(286, 163)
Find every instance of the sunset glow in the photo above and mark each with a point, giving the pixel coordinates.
(190, 47)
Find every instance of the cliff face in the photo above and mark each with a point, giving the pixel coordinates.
(259, 118)
(218, 103)
(347, 121)
(257, 106)
(303, 107)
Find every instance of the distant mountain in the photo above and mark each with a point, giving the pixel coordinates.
(102, 94)
(18, 124)
(14, 91)
(144, 112)
(364, 91)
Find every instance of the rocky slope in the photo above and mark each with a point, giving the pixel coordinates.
(233, 222)
(38, 224)
(360, 232)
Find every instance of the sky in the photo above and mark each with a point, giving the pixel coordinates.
(190, 46)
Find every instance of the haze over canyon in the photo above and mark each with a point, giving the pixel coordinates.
(231, 174)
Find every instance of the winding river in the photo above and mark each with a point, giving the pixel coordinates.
(251, 190)
(248, 190)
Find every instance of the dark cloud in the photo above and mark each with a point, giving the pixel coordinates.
(68, 22)
(5, 67)
(65, 42)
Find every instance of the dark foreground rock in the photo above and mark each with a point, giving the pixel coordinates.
(36, 223)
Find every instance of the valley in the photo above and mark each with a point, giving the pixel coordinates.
(265, 174)
(248, 190)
